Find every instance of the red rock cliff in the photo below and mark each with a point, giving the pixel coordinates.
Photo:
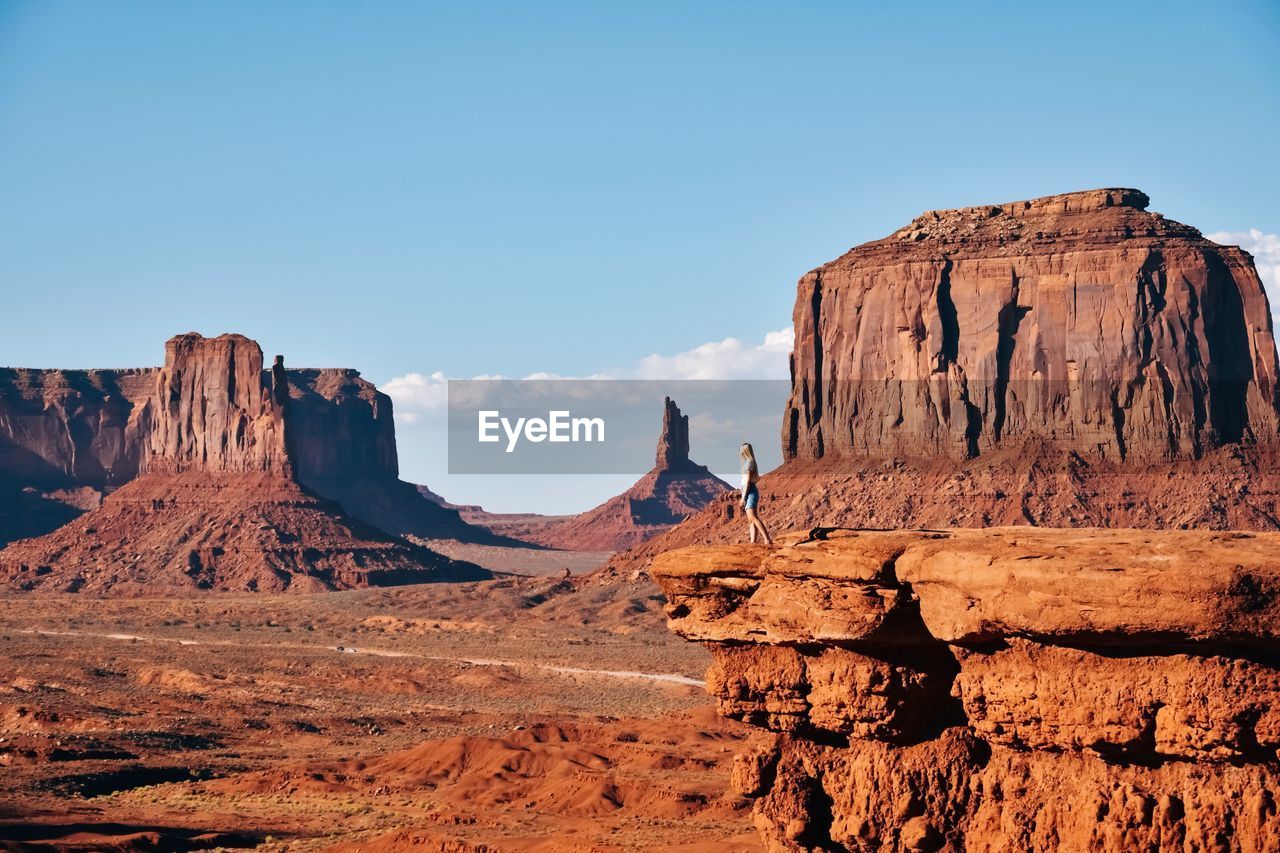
(673, 443)
(71, 428)
(213, 410)
(69, 437)
(66, 436)
(1081, 320)
(342, 443)
(217, 505)
(1003, 689)
(340, 426)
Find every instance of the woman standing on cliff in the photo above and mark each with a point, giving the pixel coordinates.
(751, 494)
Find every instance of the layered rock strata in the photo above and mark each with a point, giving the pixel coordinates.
(1082, 320)
(1006, 689)
(218, 504)
(212, 411)
(68, 438)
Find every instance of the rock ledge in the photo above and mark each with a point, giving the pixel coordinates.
(1009, 688)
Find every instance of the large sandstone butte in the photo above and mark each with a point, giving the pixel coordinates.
(1070, 360)
(999, 689)
(1081, 321)
(70, 437)
(676, 488)
(219, 502)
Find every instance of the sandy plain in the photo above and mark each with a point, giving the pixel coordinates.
(518, 714)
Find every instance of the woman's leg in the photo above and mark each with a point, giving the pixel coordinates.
(757, 524)
(764, 533)
(751, 524)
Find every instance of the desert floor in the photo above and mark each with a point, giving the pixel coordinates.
(523, 714)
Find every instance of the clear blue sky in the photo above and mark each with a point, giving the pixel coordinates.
(483, 188)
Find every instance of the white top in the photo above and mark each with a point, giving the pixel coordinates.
(749, 473)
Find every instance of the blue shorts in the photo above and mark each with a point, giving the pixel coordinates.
(752, 497)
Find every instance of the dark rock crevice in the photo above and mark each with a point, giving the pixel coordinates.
(1230, 366)
(818, 353)
(949, 351)
(1007, 323)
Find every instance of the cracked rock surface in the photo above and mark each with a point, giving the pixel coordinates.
(1011, 689)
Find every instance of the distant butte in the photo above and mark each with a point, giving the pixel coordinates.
(673, 490)
(68, 438)
(218, 504)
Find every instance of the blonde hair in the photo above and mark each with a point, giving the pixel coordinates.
(747, 453)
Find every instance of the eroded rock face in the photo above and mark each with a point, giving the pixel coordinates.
(1003, 689)
(70, 428)
(1080, 320)
(68, 438)
(342, 440)
(213, 411)
(830, 690)
(673, 443)
(1176, 706)
(218, 504)
(340, 426)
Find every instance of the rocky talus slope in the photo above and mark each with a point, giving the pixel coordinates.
(218, 503)
(1064, 361)
(1002, 689)
(676, 488)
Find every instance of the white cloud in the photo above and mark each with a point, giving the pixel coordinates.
(1265, 249)
(726, 359)
(542, 374)
(422, 398)
(415, 393)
